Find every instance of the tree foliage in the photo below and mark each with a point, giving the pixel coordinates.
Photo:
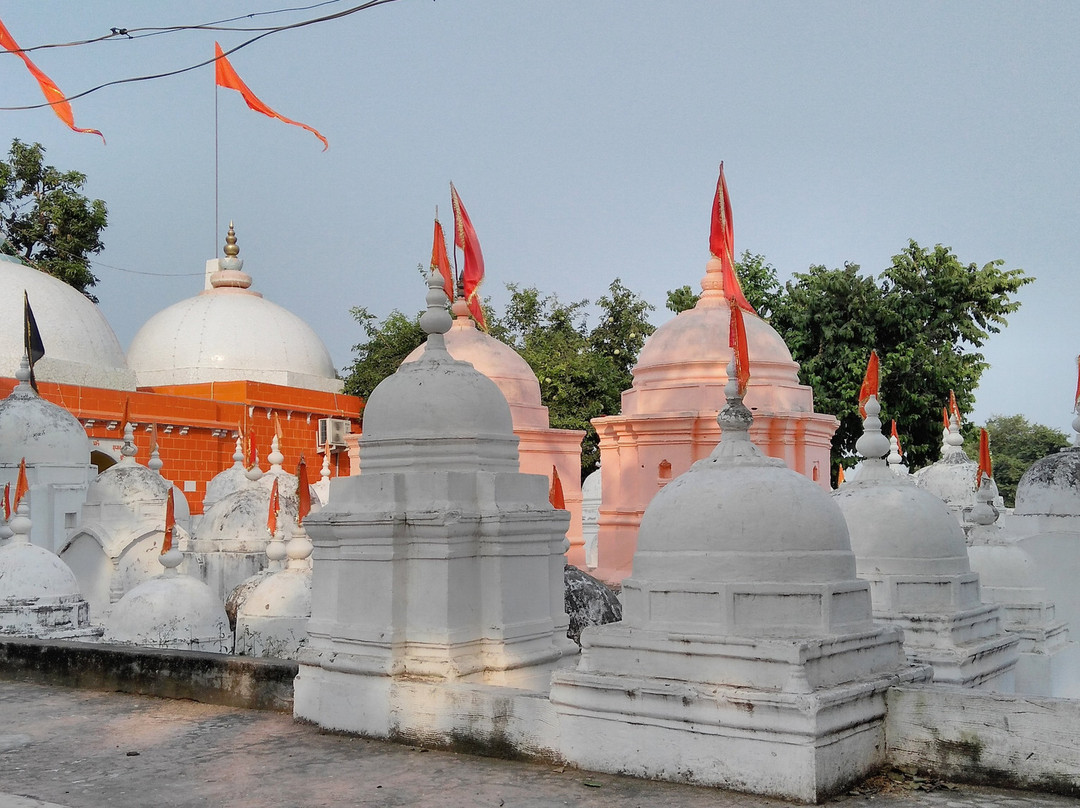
(925, 314)
(388, 343)
(1014, 445)
(46, 220)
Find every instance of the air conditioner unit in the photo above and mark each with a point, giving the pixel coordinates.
(332, 431)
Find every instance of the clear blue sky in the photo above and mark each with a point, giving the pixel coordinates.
(584, 139)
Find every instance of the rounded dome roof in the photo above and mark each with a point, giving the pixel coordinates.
(691, 352)
(80, 346)
(591, 488)
(284, 594)
(1051, 486)
(169, 610)
(230, 333)
(29, 572)
(499, 362)
(241, 515)
(127, 482)
(438, 410)
(39, 430)
(897, 528)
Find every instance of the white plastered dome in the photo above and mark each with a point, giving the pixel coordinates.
(1051, 486)
(230, 333)
(80, 346)
(39, 430)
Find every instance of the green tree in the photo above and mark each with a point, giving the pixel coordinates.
(757, 278)
(925, 315)
(46, 220)
(1014, 445)
(388, 343)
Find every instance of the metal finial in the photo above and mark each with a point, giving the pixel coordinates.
(231, 249)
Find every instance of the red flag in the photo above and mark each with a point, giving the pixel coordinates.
(279, 433)
(953, 409)
(170, 523)
(897, 436)
(440, 261)
(986, 469)
(722, 243)
(840, 477)
(52, 93)
(22, 485)
(473, 273)
(739, 349)
(7, 501)
(303, 490)
(225, 76)
(275, 506)
(870, 383)
(555, 493)
(945, 417)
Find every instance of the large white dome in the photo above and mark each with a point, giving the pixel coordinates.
(230, 333)
(80, 346)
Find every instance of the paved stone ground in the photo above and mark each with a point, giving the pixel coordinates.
(76, 748)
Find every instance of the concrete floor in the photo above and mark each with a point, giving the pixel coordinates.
(75, 748)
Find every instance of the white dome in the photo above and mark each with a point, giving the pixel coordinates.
(238, 520)
(1051, 486)
(230, 333)
(128, 483)
(286, 593)
(40, 431)
(170, 611)
(80, 346)
(29, 572)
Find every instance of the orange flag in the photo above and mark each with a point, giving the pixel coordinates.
(555, 493)
(897, 436)
(945, 417)
(153, 438)
(953, 409)
(225, 76)
(986, 469)
(739, 349)
(722, 243)
(52, 93)
(275, 506)
(170, 523)
(303, 490)
(7, 501)
(22, 485)
(870, 383)
(125, 416)
(440, 261)
(279, 433)
(472, 275)
(840, 477)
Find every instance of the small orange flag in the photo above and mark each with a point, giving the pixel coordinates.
(896, 435)
(125, 416)
(7, 501)
(737, 342)
(303, 491)
(722, 243)
(440, 261)
(249, 451)
(870, 383)
(52, 93)
(555, 493)
(225, 76)
(986, 469)
(945, 417)
(275, 506)
(472, 274)
(153, 438)
(840, 477)
(953, 409)
(170, 523)
(22, 485)
(278, 431)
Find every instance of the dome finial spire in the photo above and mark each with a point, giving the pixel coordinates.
(436, 320)
(231, 248)
(230, 268)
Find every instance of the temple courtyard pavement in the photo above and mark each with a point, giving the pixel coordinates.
(80, 748)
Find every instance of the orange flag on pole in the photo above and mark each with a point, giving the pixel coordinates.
(225, 76)
(945, 417)
(897, 436)
(440, 261)
(739, 349)
(7, 501)
(22, 485)
(555, 493)
(722, 243)
(953, 409)
(275, 506)
(56, 98)
(870, 383)
(170, 523)
(840, 477)
(986, 469)
(303, 491)
(472, 275)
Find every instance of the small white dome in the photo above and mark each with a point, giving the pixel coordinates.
(29, 572)
(1051, 486)
(170, 611)
(230, 333)
(286, 593)
(591, 488)
(40, 431)
(238, 520)
(128, 483)
(80, 346)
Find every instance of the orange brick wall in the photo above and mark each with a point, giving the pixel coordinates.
(198, 423)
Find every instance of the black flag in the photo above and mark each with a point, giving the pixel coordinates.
(31, 338)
